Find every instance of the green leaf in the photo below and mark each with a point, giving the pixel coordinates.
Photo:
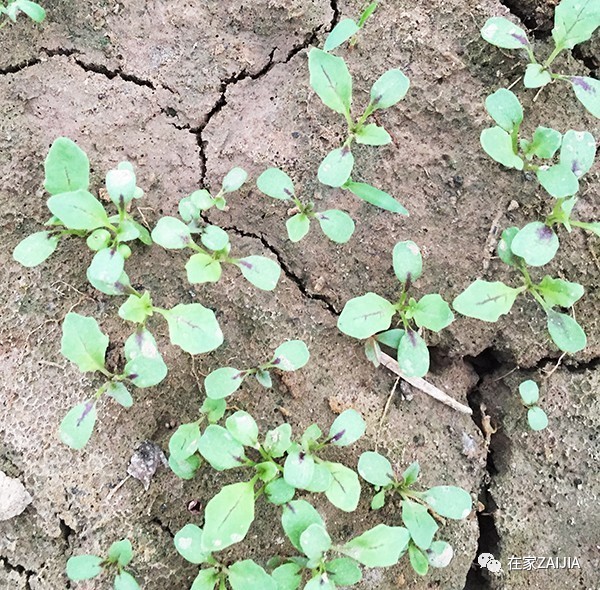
(418, 560)
(296, 517)
(260, 271)
(185, 468)
(106, 266)
(137, 308)
(373, 351)
(84, 567)
(120, 552)
(188, 542)
(413, 355)
(220, 449)
(77, 426)
(390, 88)
(290, 356)
(376, 197)
(536, 76)
(278, 440)
(279, 492)
(336, 168)
(411, 473)
(213, 409)
(587, 91)
(575, 21)
(83, 343)
(171, 233)
(243, 428)
(184, 442)
(125, 581)
(119, 287)
(537, 418)
(578, 151)
(366, 13)
(297, 226)
(288, 576)
(343, 571)
(321, 479)
(298, 468)
(78, 210)
(234, 180)
(120, 394)
(375, 469)
(440, 554)
(390, 338)
(34, 11)
(449, 501)
(407, 261)
(498, 144)
(380, 546)
(264, 378)
(499, 31)
(315, 541)
(536, 243)
(228, 516)
(331, 80)
(310, 436)
(420, 524)
(366, 315)
(545, 143)
(145, 366)
(559, 180)
(276, 183)
(223, 382)
(344, 491)
(267, 470)
(566, 333)
(506, 110)
(347, 428)
(320, 582)
(214, 238)
(246, 574)
(120, 185)
(432, 312)
(336, 225)
(34, 249)
(504, 246)
(98, 239)
(203, 268)
(345, 29)
(67, 167)
(372, 134)
(202, 199)
(486, 301)
(206, 579)
(529, 392)
(558, 292)
(193, 327)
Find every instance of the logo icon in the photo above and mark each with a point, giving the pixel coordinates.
(488, 561)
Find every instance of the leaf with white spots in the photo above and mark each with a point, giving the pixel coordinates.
(188, 542)
(449, 501)
(587, 91)
(220, 449)
(145, 366)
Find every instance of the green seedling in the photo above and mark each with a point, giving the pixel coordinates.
(530, 395)
(574, 22)
(419, 509)
(331, 80)
(534, 245)
(34, 11)
(347, 29)
(290, 356)
(205, 266)
(326, 565)
(76, 212)
(120, 554)
(559, 161)
(337, 225)
(281, 466)
(370, 316)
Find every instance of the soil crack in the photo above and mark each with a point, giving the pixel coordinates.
(16, 68)
(9, 567)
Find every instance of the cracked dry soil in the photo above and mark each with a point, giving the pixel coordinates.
(187, 90)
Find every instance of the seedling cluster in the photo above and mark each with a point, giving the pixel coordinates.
(11, 10)
(530, 395)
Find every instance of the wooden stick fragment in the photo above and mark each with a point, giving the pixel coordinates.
(418, 383)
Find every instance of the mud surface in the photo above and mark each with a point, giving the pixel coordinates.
(185, 92)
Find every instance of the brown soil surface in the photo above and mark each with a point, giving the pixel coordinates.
(187, 90)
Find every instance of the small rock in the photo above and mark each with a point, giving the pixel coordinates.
(14, 498)
(513, 205)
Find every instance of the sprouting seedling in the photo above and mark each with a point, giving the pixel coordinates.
(75, 211)
(331, 80)
(205, 266)
(120, 554)
(419, 509)
(337, 225)
(327, 565)
(347, 29)
(574, 22)
(290, 356)
(530, 395)
(281, 465)
(534, 245)
(34, 11)
(576, 149)
(370, 316)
